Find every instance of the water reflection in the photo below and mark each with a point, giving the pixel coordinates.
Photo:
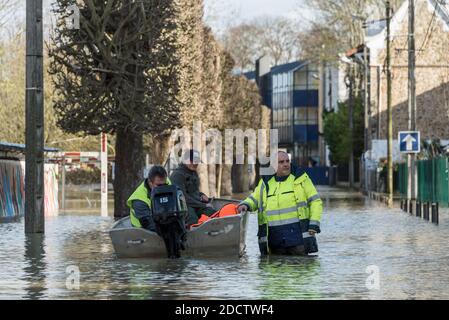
(289, 277)
(156, 279)
(35, 266)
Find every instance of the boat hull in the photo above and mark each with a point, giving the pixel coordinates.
(222, 237)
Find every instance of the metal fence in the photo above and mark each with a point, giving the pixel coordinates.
(433, 181)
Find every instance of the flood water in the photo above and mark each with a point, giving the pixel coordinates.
(411, 256)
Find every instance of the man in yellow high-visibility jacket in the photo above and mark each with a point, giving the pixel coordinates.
(289, 210)
(139, 202)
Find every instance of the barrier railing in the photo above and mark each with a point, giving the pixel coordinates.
(432, 187)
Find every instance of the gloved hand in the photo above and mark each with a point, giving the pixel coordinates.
(205, 198)
(242, 209)
(313, 229)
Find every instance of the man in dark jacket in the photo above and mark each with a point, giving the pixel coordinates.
(187, 179)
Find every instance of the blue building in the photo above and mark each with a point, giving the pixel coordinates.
(292, 92)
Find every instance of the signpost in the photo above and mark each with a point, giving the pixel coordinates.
(104, 175)
(409, 142)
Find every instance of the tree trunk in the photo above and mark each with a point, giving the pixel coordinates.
(129, 162)
(203, 174)
(226, 180)
(160, 153)
(252, 176)
(240, 178)
(212, 173)
(212, 177)
(219, 179)
(203, 171)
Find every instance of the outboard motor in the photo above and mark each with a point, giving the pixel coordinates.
(169, 209)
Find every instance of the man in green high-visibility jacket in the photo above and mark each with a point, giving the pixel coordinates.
(289, 211)
(140, 201)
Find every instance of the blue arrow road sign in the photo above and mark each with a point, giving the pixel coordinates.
(410, 142)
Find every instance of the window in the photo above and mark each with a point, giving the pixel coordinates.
(306, 116)
(314, 80)
(300, 79)
(300, 116)
(313, 116)
(313, 151)
(286, 117)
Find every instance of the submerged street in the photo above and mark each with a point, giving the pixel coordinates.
(410, 254)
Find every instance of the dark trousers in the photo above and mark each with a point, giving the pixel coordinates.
(290, 251)
(195, 213)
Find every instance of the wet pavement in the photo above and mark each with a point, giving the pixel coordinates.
(359, 237)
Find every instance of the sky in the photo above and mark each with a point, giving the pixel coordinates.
(219, 13)
(252, 8)
(222, 13)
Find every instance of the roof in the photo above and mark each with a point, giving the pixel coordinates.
(288, 67)
(11, 147)
(251, 75)
(354, 51)
(283, 68)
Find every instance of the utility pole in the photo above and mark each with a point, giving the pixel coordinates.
(411, 178)
(390, 111)
(366, 100)
(351, 126)
(34, 154)
(367, 110)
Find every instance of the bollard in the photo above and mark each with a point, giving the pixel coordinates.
(426, 211)
(435, 215)
(418, 209)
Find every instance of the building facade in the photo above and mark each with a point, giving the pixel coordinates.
(292, 92)
(432, 72)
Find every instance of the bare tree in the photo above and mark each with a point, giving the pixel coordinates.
(320, 43)
(221, 16)
(278, 38)
(7, 7)
(344, 18)
(242, 41)
(126, 71)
